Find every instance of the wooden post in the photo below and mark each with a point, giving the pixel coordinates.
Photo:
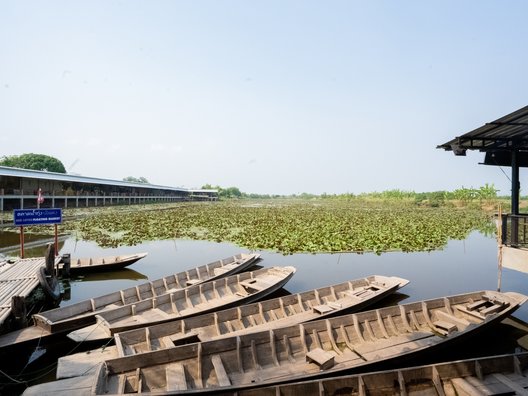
(499, 243)
(66, 264)
(515, 199)
(50, 258)
(21, 241)
(56, 240)
(19, 310)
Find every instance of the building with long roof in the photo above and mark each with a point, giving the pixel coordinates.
(19, 189)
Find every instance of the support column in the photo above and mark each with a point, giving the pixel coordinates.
(515, 191)
(515, 184)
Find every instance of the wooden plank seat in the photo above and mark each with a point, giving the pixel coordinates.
(510, 384)
(444, 327)
(323, 359)
(459, 323)
(476, 305)
(493, 309)
(221, 374)
(254, 284)
(225, 268)
(191, 282)
(322, 309)
(325, 308)
(175, 377)
(167, 342)
(361, 293)
(242, 292)
(482, 308)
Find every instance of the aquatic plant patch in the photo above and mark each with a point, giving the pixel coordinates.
(290, 226)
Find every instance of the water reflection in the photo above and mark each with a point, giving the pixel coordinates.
(125, 273)
(461, 267)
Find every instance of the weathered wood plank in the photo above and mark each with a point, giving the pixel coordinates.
(221, 374)
(175, 377)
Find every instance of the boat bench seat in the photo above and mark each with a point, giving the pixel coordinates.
(175, 377)
(483, 312)
(225, 268)
(242, 292)
(460, 323)
(323, 359)
(191, 282)
(445, 327)
(221, 374)
(476, 305)
(322, 309)
(254, 285)
(325, 308)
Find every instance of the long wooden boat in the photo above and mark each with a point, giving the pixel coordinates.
(306, 351)
(351, 296)
(493, 375)
(82, 314)
(109, 263)
(200, 299)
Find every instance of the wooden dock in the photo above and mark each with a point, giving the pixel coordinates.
(18, 278)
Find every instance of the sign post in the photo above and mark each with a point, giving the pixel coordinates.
(25, 217)
(40, 198)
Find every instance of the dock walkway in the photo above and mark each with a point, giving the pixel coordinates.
(17, 278)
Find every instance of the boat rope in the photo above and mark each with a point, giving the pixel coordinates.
(96, 364)
(36, 349)
(88, 335)
(11, 378)
(48, 369)
(502, 170)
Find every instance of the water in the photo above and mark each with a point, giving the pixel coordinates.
(462, 266)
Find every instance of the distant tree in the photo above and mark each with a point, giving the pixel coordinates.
(231, 192)
(32, 161)
(133, 179)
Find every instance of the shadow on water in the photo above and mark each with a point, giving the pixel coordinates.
(125, 273)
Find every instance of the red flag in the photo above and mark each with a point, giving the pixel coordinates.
(40, 198)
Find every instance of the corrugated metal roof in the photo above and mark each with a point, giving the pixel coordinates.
(506, 133)
(42, 175)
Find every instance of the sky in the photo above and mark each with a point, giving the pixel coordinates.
(273, 97)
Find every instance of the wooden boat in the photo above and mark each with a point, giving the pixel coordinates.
(109, 263)
(82, 314)
(351, 296)
(494, 375)
(211, 296)
(305, 351)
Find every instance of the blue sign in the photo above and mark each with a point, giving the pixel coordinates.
(23, 217)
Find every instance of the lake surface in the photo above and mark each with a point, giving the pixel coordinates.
(462, 266)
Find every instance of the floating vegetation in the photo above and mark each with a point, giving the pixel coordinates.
(290, 226)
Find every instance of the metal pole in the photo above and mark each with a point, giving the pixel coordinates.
(499, 243)
(515, 198)
(515, 184)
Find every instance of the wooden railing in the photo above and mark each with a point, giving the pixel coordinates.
(515, 230)
(29, 201)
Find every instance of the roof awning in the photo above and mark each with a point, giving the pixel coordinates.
(508, 133)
